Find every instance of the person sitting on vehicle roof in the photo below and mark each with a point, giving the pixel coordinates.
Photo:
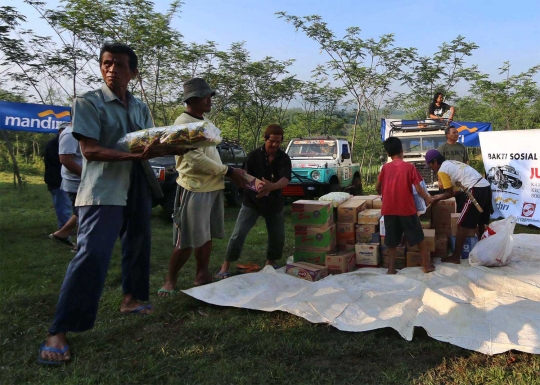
(440, 110)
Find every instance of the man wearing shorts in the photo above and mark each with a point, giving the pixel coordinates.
(199, 214)
(451, 172)
(395, 184)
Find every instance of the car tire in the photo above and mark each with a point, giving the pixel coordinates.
(235, 196)
(335, 187)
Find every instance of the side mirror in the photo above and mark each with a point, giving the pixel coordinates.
(345, 156)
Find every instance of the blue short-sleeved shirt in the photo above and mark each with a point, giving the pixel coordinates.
(100, 115)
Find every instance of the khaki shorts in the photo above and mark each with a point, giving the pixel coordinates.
(199, 217)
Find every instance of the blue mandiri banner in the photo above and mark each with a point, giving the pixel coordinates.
(468, 131)
(32, 117)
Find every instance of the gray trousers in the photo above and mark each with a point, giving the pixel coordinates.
(247, 217)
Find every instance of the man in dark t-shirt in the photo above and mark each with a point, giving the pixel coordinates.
(273, 166)
(453, 150)
(440, 110)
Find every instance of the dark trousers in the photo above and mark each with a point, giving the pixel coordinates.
(247, 217)
(99, 227)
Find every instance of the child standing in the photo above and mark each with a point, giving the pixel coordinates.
(398, 208)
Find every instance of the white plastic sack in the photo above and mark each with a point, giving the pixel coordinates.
(419, 202)
(336, 198)
(495, 246)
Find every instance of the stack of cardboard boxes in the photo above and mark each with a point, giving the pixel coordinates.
(368, 239)
(470, 240)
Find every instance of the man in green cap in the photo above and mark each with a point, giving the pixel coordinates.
(199, 209)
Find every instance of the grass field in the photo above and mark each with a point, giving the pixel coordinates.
(190, 342)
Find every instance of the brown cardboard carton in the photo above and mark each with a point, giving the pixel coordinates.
(441, 211)
(443, 229)
(425, 223)
(441, 246)
(368, 199)
(414, 259)
(367, 254)
(348, 210)
(315, 256)
(345, 247)
(345, 233)
(454, 226)
(401, 250)
(342, 262)
(322, 237)
(377, 203)
(429, 237)
(252, 183)
(364, 233)
(307, 271)
(312, 213)
(369, 217)
(399, 263)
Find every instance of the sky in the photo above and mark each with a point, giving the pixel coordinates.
(505, 30)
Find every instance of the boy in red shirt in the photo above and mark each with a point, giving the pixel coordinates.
(395, 185)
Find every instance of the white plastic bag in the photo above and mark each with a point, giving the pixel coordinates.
(495, 246)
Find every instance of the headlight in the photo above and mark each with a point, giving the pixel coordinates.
(315, 175)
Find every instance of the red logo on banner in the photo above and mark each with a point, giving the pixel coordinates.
(528, 209)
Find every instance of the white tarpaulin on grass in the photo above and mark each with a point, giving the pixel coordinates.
(489, 310)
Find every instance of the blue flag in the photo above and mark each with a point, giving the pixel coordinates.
(32, 117)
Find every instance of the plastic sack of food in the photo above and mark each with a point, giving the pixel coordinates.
(188, 135)
(336, 198)
(419, 202)
(495, 245)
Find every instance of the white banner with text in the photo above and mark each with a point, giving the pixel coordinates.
(512, 163)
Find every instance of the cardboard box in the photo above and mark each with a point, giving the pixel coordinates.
(364, 233)
(348, 210)
(377, 203)
(312, 213)
(368, 199)
(429, 237)
(414, 259)
(307, 271)
(369, 217)
(470, 242)
(401, 251)
(342, 262)
(314, 256)
(443, 229)
(323, 237)
(252, 183)
(454, 226)
(425, 223)
(399, 263)
(367, 254)
(441, 211)
(441, 246)
(345, 233)
(345, 247)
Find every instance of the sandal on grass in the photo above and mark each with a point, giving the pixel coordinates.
(168, 292)
(247, 268)
(219, 276)
(63, 241)
(139, 310)
(43, 348)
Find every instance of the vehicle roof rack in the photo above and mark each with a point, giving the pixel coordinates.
(230, 142)
(418, 125)
(321, 137)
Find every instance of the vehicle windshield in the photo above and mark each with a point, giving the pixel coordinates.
(413, 144)
(312, 148)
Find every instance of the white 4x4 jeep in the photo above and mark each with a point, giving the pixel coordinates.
(321, 165)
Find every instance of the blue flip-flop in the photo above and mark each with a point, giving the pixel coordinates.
(219, 275)
(43, 348)
(276, 266)
(138, 310)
